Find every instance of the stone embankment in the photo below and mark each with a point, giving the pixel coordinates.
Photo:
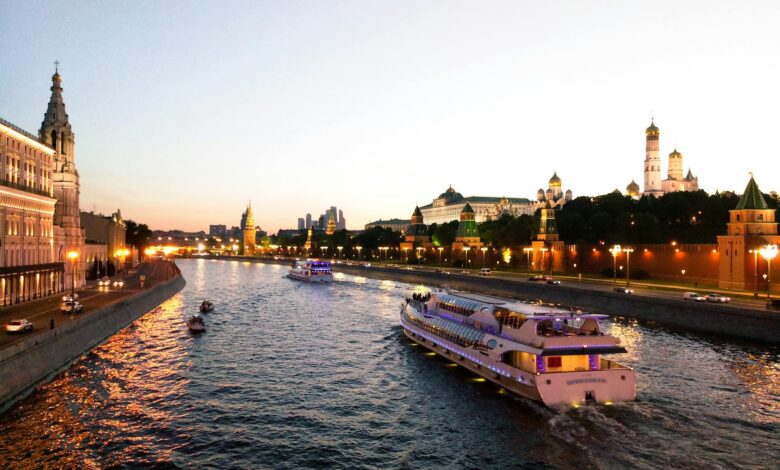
(40, 357)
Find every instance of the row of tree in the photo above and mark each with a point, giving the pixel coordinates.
(686, 217)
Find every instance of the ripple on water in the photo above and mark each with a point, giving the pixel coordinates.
(291, 375)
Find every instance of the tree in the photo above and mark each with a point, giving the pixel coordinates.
(137, 235)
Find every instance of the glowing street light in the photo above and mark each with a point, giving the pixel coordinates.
(466, 250)
(339, 248)
(768, 252)
(358, 248)
(527, 251)
(73, 255)
(628, 252)
(483, 250)
(615, 250)
(439, 249)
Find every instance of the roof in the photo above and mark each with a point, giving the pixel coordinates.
(467, 209)
(652, 130)
(752, 197)
(417, 211)
(391, 221)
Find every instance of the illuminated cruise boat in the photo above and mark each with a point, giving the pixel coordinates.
(311, 271)
(550, 355)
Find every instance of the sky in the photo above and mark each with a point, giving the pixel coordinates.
(185, 111)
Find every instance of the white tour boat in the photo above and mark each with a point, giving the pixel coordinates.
(550, 355)
(311, 271)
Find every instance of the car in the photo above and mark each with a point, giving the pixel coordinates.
(485, 272)
(73, 306)
(104, 281)
(693, 296)
(554, 282)
(717, 298)
(439, 270)
(465, 273)
(18, 326)
(537, 277)
(623, 290)
(119, 283)
(69, 297)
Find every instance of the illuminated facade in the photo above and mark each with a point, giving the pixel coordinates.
(751, 225)
(654, 185)
(249, 232)
(28, 263)
(449, 205)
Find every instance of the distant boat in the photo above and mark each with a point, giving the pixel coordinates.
(206, 306)
(311, 271)
(195, 324)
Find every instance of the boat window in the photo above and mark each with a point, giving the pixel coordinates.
(492, 343)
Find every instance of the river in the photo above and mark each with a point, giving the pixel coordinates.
(292, 375)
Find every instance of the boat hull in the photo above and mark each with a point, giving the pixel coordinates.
(313, 279)
(552, 389)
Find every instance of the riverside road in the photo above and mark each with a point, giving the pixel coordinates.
(42, 312)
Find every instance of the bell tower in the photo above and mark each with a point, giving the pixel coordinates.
(652, 161)
(56, 133)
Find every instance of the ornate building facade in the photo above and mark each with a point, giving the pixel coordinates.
(56, 133)
(416, 234)
(249, 232)
(654, 184)
(449, 205)
(39, 207)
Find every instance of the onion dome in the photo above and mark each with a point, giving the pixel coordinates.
(632, 189)
(652, 130)
(549, 194)
(555, 180)
(540, 194)
(675, 154)
(568, 195)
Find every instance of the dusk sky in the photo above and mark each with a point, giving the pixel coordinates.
(184, 111)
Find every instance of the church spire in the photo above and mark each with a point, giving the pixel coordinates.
(55, 129)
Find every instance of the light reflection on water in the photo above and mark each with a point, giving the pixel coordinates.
(293, 375)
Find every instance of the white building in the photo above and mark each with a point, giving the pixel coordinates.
(654, 185)
(448, 206)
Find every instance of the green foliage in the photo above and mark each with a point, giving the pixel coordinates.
(509, 231)
(373, 238)
(137, 235)
(443, 234)
(687, 217)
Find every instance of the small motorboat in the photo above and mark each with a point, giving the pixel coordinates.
(195, 324)
(206, 306)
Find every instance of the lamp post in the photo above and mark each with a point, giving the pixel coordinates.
(768, 252)
(615, 250)
(483, 250)
(339, 248)
(628, 252)
(419, 258)
(358, 248)
(440, 249)
(528, 258)
(541, 260)
(755, 271)
(682, 276)
(73, 255)
(466, 250)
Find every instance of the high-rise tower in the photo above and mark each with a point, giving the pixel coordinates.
(56, 133)
(249, 232)
(652, 161)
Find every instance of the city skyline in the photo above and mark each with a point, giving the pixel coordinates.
(490, 100)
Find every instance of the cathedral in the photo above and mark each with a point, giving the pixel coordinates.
(654, 184)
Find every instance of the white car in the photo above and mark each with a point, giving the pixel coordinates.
(73, 306)
(18, 326)
(693, 296)
(104, 281)
(717, 298)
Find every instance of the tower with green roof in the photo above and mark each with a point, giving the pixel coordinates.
(751, 225)
(468, 233)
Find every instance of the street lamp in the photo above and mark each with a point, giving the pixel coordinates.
(768, 252)
(628, 252)
(466, 250)
(440, 249)
(615, 250)
(419, 259)
(541, 261)
(339, 248)
(358, 248)
(755, 271)
(527, 252)
(483, 250)
(682, 276)
(73, 255)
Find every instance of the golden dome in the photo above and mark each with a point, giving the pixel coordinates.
(652, 130)
(675, 154)
(555, 180)
(632, 189)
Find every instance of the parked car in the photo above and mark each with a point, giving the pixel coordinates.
(18, 326)
(623, 290)
(554, 282)
(73, 306)
(693, 296)
(717, 298)
(485, 272)
(104, 281)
